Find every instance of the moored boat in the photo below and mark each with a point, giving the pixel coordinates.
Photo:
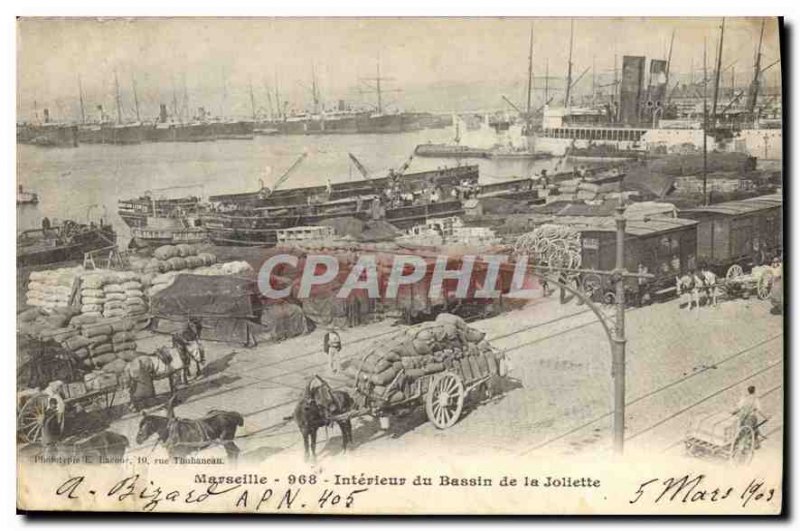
(68, 241)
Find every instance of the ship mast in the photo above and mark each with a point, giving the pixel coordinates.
(378, 86)
(119, 106)
(717, 74)
(314, 90)
(752, 97)
(186, 108)
(252, 100)
(666, 74)
(80, 98)
(174, 101)
(135, 98)
(530, 75)
(705, 125)
(569, 64)
(278, 97)
(546, 80)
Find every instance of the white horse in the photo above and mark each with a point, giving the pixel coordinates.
(143, 371)
(709, 287)
(689, 284)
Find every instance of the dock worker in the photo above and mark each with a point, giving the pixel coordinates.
(332, 345)
(644, 286)
(749, 412)
(46, 223)
(710, 286)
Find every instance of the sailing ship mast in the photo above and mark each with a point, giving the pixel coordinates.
(80, 98)
(187, 110)
(278, 105)
(752, 96)
(119, 105)
(135, 98)
(569, 65)
(705, 125)
(666, 74)
(717, 75)
(252, 101)
(314, 90)
(530, 75)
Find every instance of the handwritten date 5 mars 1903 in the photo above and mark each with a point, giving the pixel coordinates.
(133, 489)
(697, 488)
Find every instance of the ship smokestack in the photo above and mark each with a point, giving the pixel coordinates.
(46, 115)
(162, 113)
(631, 89)
(100, 115)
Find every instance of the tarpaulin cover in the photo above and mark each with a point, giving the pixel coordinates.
(205, 296)
(235, 330)
(284, 320)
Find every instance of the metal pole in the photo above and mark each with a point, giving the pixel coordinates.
(618, 344)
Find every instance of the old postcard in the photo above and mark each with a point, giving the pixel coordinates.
(483, 266)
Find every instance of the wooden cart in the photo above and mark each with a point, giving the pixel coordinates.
(721, 435)
(736, 284)
(31, 407)
(442, 393)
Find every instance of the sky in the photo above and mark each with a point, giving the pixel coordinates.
(442, 64)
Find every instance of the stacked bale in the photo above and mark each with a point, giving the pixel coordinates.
(51, 289)
(42, 324)
(181, 257)
(112, 294)
(387, 370)
(106, 345)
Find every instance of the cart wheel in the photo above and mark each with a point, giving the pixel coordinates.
(764, 287)
(743, 446)
(445, 400)
(610, 298)
(734, 271)
(30, 418)
(693, 449)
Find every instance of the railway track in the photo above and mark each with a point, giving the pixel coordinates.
(283, 408)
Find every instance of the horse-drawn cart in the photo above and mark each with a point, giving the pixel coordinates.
(737, 284)
(73, 400)
(721, 435)
(450, 361)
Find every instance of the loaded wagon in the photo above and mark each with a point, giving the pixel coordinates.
(435, 365)
(738, 234)
(721, 435)
(665, 246)
(51, 372)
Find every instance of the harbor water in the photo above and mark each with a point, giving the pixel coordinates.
(87, 181)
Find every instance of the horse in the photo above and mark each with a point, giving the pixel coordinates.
(142, 371)
(184, 437)
(316, 409)
(188, 352)
(709, 286)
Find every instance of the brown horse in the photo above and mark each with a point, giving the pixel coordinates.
(184, 437)
(319, 407)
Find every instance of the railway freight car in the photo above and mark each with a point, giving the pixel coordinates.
(665, 246)
(741, 233)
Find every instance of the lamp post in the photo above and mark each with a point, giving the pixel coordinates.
(618, 340)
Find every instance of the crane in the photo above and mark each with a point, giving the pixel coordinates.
(288, 173)
(360, 167)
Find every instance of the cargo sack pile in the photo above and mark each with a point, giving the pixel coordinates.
(112, 294)
(53, 288)
(387, 370)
